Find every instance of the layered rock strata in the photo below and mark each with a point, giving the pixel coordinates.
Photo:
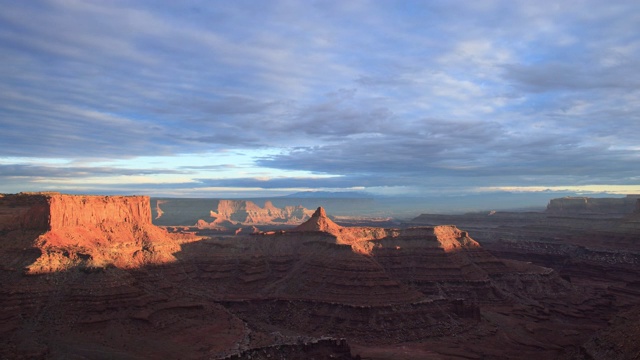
(110, 284)
(78, 281)
(84, 231)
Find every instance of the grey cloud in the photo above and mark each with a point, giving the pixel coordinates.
(467, 153)
(417, 107)
(572, 76)
(283, 183)
(38, 171)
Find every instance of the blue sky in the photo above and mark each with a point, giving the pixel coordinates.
(247, 98)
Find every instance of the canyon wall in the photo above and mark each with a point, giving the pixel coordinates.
(55, 232)
(81, 210)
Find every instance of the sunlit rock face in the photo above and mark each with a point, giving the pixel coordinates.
(84, 231)
(52, 211)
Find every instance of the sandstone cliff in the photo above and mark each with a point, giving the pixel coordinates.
(83, 231)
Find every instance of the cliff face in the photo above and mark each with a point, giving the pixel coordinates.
(52, 211)
(83, 231)
(68, 210)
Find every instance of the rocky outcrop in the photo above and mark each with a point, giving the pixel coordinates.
(319, 221)
(248, 213)
(586, 205)
(225, 214)
(83, 231)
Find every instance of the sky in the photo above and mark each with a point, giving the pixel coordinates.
(249, 98)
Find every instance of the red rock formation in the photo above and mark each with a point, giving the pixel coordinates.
(110, 284)
(85, 293)
(86, 231)
(319, 222)
(53, 211)
(158, 209)
(248, 213)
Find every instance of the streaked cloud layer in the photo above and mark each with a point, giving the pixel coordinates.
(214, 98)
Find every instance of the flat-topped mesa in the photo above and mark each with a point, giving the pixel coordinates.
(83, 210)
(83, 230)
(446, 237)
(586, 205)
(52, 211)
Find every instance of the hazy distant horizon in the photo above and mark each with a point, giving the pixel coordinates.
(246, 98)
(405, 207)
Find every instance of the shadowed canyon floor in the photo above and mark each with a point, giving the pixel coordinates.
(92, 277)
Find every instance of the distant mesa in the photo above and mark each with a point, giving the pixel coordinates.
(248, 213)
(225, 214)
(587, 205)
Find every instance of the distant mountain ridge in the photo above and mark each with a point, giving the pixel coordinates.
(331, 195)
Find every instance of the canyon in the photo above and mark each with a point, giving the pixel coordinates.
(97, 277)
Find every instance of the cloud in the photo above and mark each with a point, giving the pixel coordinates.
(572, 77)
(364, 93)
(38, 171)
